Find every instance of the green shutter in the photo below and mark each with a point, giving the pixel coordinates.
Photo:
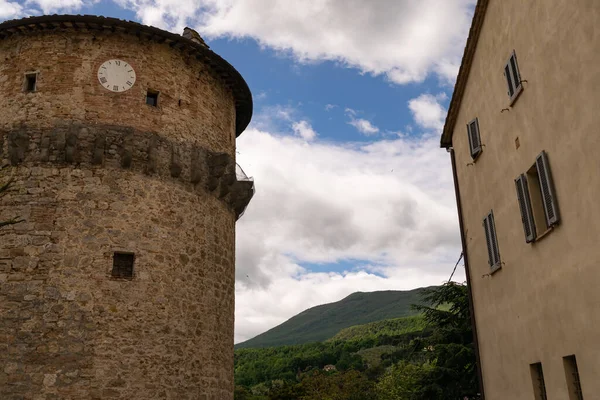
(547, 189)
(525, 207)
(491, 240)
(474, 138)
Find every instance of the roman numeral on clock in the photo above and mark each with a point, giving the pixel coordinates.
(115, 88)
(103, 80)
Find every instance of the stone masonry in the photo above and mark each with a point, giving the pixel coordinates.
(97, 172)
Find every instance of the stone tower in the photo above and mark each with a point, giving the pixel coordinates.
(120, 141)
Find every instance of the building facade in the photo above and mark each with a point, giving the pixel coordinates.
(119, 140)
(522, 130)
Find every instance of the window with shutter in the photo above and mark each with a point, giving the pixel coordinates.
(491, 240)
(525, 207)
(537, 199)
(547, 189)
(474, 138)
(513, 77)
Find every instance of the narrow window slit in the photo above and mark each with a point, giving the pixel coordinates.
(30, 82)
(573, 380)
(537, 378)
(123, 265)
(152, 98)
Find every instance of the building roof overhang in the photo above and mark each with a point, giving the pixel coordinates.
(463, 73)
(226, 72)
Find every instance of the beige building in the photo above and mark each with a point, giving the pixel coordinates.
(120, 142)
(523, 132)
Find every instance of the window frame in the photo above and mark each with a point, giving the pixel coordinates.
(514, 77)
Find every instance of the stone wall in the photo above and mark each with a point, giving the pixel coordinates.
(70, 331)
(194, 104)
(95, 173)
(100, 146)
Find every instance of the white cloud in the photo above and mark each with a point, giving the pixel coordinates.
(447, 71)
(258, 310)
(428, 112)
(362, 125)
(329, 107)
(405, 40)
(52, 6)
(274, 117)
(304, 130)
(389, 203)
(9, 10)
(260, 96)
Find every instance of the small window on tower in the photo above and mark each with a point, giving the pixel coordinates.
(30, 82)
(152, 98)
(123, 265)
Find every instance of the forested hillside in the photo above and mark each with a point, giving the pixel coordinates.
(378, 329)
(325, 321)
(425, 357)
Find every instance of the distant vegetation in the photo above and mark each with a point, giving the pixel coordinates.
(325, 321)
(425, 357)
(387, 327)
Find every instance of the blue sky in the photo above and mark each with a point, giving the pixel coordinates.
(321, 92)
(353, 191)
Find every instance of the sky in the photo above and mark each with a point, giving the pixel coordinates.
(353, 192)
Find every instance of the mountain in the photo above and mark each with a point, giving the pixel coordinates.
(325, 321)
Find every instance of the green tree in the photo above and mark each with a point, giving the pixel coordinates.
(406, 381)
(282, 390)
(349, 361)
(450, 347)
(351, 385)
(241, 393)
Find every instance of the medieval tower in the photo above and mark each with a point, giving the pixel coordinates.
(119, 140)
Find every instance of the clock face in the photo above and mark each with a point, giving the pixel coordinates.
(116, 75)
